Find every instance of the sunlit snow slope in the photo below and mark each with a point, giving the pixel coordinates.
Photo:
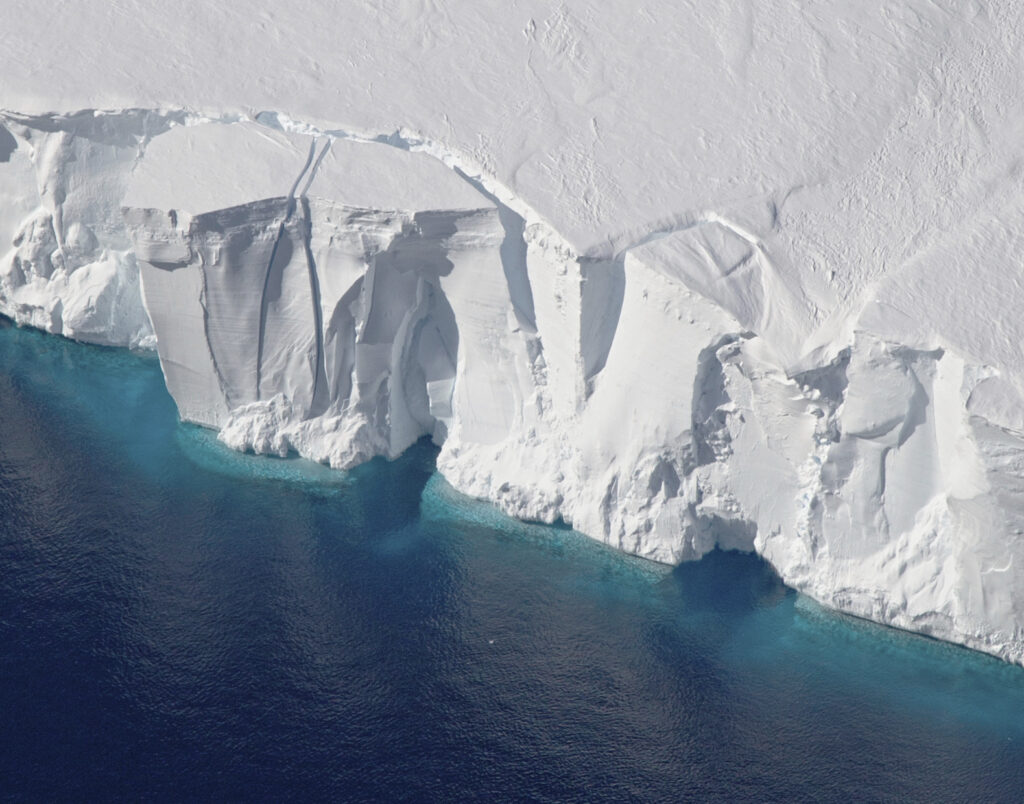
(731, 274)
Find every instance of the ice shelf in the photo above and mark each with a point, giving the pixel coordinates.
(683, 278)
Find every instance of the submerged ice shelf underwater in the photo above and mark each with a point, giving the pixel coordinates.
(664, 395)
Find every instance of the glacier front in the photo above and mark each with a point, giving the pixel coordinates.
(778, 313)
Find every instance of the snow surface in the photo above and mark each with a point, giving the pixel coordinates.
(691, 274)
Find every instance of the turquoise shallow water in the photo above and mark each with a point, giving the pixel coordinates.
(180, 621)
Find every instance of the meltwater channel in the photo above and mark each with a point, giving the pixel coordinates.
(178, 621)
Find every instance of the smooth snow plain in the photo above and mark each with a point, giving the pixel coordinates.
(693, 275)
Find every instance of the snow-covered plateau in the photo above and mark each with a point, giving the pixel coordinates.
(732, 274)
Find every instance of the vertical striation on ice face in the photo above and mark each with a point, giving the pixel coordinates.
(337, 298)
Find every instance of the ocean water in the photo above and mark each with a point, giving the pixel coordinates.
(180, 622)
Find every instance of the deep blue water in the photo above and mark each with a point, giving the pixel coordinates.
(181, 622)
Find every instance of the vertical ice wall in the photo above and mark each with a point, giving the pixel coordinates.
(343, 301)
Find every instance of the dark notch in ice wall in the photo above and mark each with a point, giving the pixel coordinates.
(8, 145)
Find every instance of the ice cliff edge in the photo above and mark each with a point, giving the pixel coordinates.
(341, 297)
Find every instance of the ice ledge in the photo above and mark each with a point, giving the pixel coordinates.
(673, 393)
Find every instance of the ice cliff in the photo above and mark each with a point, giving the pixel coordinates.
(815, 356)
